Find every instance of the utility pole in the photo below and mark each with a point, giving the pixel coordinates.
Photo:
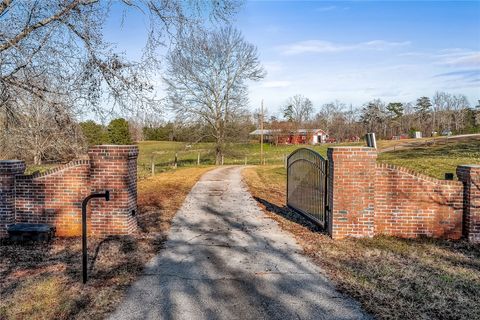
(261, 134)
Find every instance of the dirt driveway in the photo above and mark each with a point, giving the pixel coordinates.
(224, 259)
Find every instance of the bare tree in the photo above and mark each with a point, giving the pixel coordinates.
(63, 40)
(207, 78)
(450, 110)
(328, 113)
(56, 51)
(460, 107)
(298, 109)
(42, 131)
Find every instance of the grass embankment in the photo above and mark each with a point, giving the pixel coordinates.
(392, 278)
(436, 159)
(43, 281)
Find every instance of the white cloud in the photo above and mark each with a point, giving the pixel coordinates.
(320, 46)
(327, 8)
(276, 84)
(330, 8)
(273, 66)
(461, 59)
(391, 76)
(453, 57)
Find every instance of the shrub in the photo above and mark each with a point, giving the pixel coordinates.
(118, 132)
(94, 133)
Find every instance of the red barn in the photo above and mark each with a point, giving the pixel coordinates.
(300, 136)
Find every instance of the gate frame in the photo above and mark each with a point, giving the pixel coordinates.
(324, 224)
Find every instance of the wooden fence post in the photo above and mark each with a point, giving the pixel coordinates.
(176, 160)
(198, 159)
(222, 159)
(245, 160)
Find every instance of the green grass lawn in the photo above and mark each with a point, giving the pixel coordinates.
(162, 153)
(433, 160)
(436, 160)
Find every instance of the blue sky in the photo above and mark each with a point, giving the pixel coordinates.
(355, 51)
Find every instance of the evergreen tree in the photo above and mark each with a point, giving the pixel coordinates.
(94, 133)
(423, 106)
(422, 109)
(288, 113)
(395, 110)
(118, 132)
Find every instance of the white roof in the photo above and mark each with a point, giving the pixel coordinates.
(269, 132)
(265, 131)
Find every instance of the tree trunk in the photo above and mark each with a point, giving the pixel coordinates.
(218, 155)
(219, 150)
(220, 142)
(37, 159)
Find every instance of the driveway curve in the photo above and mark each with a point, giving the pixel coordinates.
(224, 259)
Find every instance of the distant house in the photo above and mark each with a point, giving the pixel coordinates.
(300, 136)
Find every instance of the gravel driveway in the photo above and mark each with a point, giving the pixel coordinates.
(224, 259)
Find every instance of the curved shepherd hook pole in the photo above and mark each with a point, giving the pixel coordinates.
(105, 195)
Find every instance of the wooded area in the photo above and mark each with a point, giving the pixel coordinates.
(57, 69)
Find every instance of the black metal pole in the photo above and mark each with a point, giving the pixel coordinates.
(105, 195)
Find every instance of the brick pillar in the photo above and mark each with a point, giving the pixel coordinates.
(470, 176)
(8, 170)
(114, 168)
(351, 191)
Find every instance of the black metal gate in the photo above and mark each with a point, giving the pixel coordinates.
(307, 184)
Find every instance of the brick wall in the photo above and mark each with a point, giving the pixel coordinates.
(408, 204)
(56, 196)
(367, 198)
(470, 176)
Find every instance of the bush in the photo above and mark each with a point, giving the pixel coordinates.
(94, 133)
(118, 132)
(161, 133)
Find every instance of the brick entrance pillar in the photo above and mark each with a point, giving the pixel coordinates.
(114, 168)
(470, 176)
(351, 191)
(8, 170)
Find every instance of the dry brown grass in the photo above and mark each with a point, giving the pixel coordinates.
(43, 281)
(392, 278)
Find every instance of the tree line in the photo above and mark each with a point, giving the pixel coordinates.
(55, 65)
(442, 114)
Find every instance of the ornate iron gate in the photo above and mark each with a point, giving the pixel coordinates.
(307, 184)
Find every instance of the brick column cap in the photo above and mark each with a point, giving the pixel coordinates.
(352, 148)
(12, 166)
(468, 172)
(349, 152)
(472, 166)
(126, 150)
(115, 146)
